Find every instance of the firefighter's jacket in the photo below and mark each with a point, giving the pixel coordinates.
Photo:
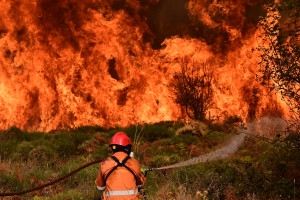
(120, 182)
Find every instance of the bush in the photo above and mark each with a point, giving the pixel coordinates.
(12, 133)
(8, 148)
(79, 137)
(41, 155)
(216, 136)
(201, 178)
(150, 132)
(43, 141)
(102, 151)
(68, 195)
(155, 132)
(187, 138)
(192, 182)
(12, 182)
(265, 170)
(36, 136)
(87, 175)
(64, 144)
(228, 125)
(162, 160)
(23, 150)
(89, 129)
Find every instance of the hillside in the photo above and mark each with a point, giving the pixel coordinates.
(260, 169)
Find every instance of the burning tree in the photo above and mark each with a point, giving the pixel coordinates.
(279, 66)
(191, 87)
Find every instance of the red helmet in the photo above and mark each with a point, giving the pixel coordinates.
(120, 138)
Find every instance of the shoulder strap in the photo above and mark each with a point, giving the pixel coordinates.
(118, 165)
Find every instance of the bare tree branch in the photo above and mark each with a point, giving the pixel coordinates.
(191, 87)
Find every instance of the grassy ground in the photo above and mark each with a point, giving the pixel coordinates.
(259, 170)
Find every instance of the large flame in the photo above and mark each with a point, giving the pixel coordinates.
(68, 63)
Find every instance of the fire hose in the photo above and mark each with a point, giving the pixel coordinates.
(221, 153)
(52, 182)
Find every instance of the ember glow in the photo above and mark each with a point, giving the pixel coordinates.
(69, 63)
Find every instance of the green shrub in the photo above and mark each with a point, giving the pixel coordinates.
(23, 150)
(186, 138)
(11, 182)
(87, 175)
(68, 195)
(36, 136)
(162, 160)
(12, 133)
(185, 183)
(89, 129)
(152, 132)
(169, 141)
(265, 170)
(43, 142)
(217, 136)
(227, 126)
(64, 144)
(149, 132)
(102, 151)
(41, 172)
(8, 148)
(41, 155)
(79, 137)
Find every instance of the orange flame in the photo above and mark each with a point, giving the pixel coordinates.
(72, 63)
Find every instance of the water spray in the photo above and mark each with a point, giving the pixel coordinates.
(233, 145)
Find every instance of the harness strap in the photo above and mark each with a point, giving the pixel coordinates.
(122, 164)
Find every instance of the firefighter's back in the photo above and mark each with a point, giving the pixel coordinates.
(121, 182)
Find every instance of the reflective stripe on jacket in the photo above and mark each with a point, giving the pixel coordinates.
(121, 183)
(119, 193)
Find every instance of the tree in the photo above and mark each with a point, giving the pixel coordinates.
(191, 87)
(279, 66)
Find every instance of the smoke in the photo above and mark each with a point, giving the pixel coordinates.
(219, 25)
(267, 126)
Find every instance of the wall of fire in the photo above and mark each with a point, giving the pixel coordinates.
(68, 63)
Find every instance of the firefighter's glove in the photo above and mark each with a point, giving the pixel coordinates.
(143, 171)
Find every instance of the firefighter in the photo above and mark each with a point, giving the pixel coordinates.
(120, 175)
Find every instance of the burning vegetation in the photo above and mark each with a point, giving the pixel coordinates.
(69, 63)
(97, 67)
